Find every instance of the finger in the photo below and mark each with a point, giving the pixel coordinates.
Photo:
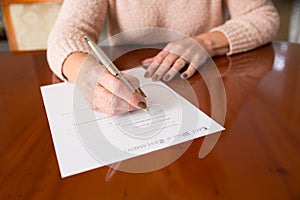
(165, 66)
(147, 61)
(135, 83)
(177, 66)
(132, 80)
(155, 64)
(118, 88)
(112, 110)
(189, 72)
(106, 102)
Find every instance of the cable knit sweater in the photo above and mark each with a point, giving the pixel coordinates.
(251, 23)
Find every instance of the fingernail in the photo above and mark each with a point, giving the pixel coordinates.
(167, 77)
(142, 105)
(146, 75)
(184, 76)
(155, 77)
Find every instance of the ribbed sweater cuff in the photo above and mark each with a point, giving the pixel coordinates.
(240, 37)
(58, 53)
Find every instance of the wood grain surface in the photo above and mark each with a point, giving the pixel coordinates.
(256, 157)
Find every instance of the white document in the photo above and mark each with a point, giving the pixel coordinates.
(85, 139)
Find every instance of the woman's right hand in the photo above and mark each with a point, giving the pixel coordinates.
(104, 92)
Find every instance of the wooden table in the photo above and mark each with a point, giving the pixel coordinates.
(257, 157)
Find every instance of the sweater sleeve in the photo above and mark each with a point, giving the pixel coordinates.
(251, 24)
(76, 19)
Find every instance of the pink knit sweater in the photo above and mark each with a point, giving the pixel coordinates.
(251, 23)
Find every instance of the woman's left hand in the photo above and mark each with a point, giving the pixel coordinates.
(173, 58)
(191, 51)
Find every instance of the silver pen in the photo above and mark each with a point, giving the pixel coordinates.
(102, 57)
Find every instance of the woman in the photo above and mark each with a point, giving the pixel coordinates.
(250, 24)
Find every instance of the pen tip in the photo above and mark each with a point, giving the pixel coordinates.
(86, 38)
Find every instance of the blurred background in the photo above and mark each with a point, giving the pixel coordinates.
(289, 11)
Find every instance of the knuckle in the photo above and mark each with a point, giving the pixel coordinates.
(103, 77)
(168, 61)
(111, 99)
(157, 59)
(111, 112)
(96, 108)
(160, 56)
(117, 87)
(93, 106)
(133, 98)
(180, 62)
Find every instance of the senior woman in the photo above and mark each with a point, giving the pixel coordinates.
(221, 27)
